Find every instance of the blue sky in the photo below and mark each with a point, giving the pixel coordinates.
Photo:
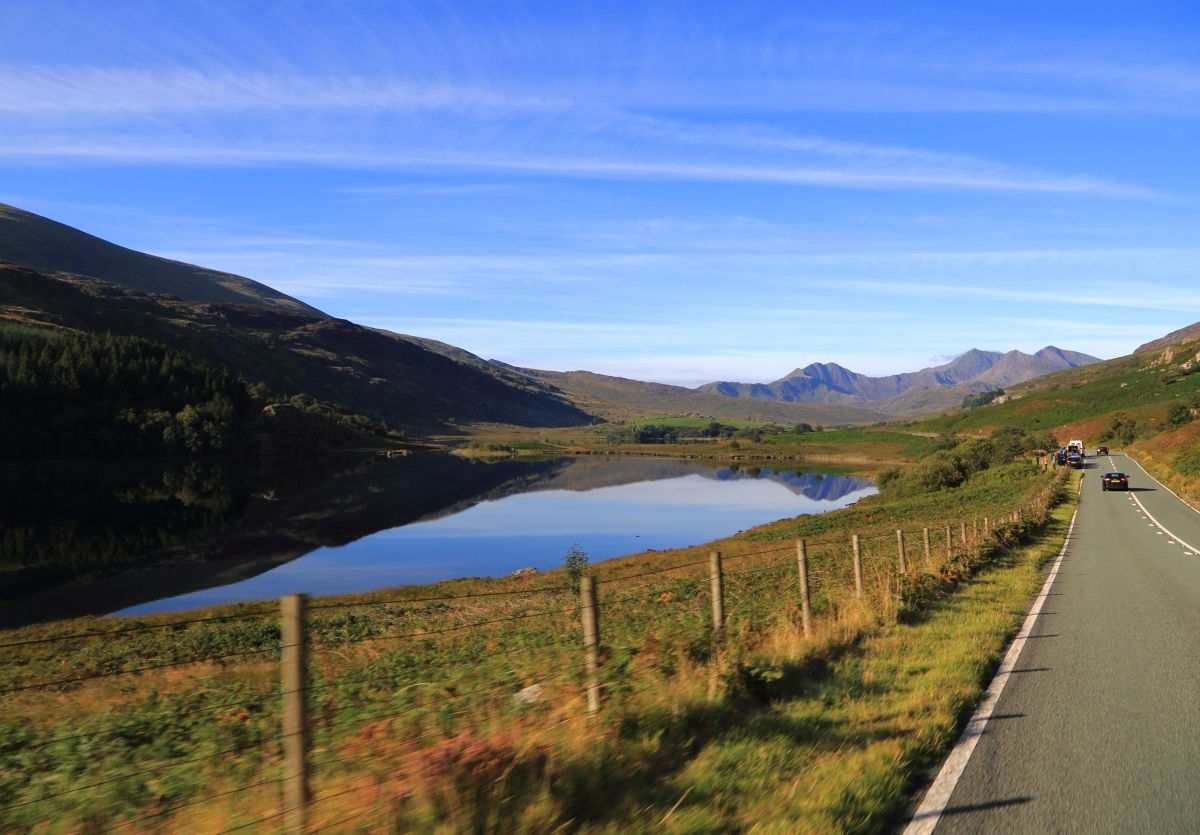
(672, 191)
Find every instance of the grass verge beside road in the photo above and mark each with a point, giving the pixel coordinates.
(418, 716)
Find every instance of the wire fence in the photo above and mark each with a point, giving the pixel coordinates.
(403, 679)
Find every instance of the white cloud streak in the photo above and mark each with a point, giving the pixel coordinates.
(103, 91)
(988, 179)
(187, 116)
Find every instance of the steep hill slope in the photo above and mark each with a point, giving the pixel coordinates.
(54, 248)
(365, 371)
(1174, 337)
(928, 400)
(588, 388)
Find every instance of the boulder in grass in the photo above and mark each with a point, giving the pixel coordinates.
(528, 695)
(524, 572)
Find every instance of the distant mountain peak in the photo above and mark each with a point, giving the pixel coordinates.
(833, 383)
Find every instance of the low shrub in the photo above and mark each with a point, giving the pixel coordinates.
(1178, 416)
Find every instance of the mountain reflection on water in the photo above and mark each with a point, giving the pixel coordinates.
(81, 539)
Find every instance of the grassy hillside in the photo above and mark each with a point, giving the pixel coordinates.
(925, 400)
(1083, 402)
(1173, 457)
(382, 376)
(51, 247)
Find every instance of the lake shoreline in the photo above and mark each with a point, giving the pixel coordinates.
(214, 528)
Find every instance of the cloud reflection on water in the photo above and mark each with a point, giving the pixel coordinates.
(680, 504)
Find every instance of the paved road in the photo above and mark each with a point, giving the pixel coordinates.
(1098, 730)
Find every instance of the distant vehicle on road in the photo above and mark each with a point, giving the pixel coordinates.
(1114, 481)
(1102, 450)
(1075, 460)
(1060, 457)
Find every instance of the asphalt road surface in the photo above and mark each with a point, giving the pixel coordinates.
(1098, 728)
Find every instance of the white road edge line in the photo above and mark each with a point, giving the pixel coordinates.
(1161, 528)
(1159, 483)
(937, 798)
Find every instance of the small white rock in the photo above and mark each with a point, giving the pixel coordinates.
(529, 695)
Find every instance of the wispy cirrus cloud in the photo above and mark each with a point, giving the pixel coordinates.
(226, 118)
(111, 91)
(956, 175)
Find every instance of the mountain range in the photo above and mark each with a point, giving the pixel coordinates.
(935, 388)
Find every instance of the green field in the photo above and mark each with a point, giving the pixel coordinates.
(904, 443)
(695, 422)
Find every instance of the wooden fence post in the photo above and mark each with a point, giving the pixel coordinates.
(900, 551)
(949, 543)
(805, 600)
(293, 616)
(964, 537)
(985, 527)
(591, 639)
(858, 584)
(928, 555)
(717, 578)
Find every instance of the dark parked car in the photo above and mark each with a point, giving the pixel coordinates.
(1075, 460)
(1102, 450)
(1114, 481)
(1060, 457)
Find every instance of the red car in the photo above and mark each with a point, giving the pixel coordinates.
(1114, 481)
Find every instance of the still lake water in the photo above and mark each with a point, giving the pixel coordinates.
(231, 535)
(654, 504)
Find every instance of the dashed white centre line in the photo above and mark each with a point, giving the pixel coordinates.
(1189, 546)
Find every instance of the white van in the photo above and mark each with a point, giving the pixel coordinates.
(1079, 446)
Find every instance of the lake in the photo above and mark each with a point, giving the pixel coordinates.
(149, 538)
